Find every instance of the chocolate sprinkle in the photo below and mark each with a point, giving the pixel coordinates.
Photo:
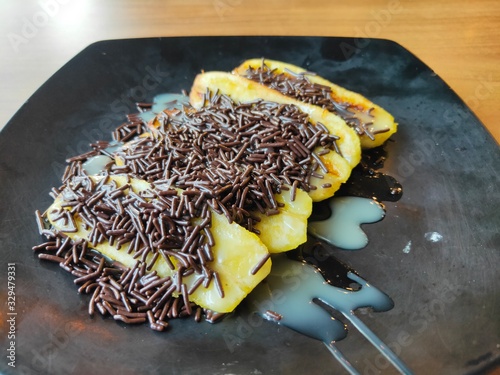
(273, 315)
(259, 265)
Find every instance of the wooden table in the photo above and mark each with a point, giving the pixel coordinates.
(458, 39)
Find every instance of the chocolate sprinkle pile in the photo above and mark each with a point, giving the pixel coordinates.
(228, 158)
(128, 295)
(298, 86)
(146, 225)
(234, 156)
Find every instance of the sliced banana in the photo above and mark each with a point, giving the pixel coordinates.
(379, 122)
(288, 229)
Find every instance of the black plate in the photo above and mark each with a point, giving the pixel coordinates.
(446, 293)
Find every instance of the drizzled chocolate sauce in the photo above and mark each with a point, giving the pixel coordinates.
(333, 270)
(365, 180)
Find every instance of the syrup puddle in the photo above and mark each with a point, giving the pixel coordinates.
(342, 228)
(289, 291)
(366, 181)
(96, 164)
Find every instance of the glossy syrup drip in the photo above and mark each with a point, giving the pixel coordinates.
(367, 182)
(162, 102)
(333, 270)
(376, 185)
(342, 228)
(96, 164)
(99, 163)
(288, 292)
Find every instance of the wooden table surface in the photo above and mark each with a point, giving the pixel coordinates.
(459, 39)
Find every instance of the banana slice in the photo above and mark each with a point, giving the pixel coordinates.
(240, 89)
(236, 252)
(373, 124)
(288, 229)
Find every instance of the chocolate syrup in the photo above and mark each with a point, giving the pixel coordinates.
(365, 181)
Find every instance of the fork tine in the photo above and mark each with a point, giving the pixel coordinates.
(341, 358)
(379, 344)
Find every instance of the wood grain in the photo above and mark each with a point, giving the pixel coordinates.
(458, 39)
